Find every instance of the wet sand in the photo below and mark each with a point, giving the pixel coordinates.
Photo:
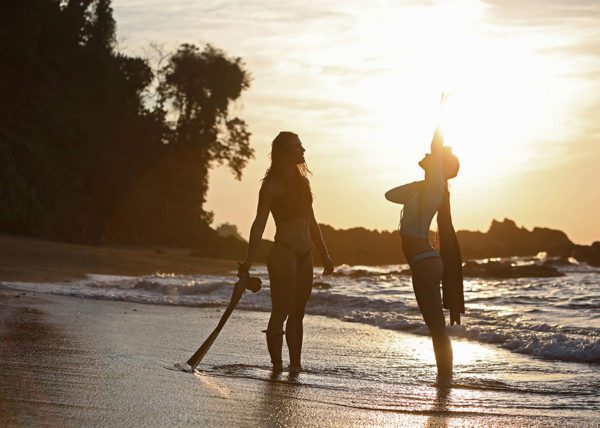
(72, 362)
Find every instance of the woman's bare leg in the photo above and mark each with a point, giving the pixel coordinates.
(282, 277)
(294, 330)
(426, 278)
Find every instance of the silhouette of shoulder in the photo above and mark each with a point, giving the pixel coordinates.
(271, 187)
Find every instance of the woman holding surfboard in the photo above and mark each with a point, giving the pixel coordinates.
(422, 200)
(286, 193)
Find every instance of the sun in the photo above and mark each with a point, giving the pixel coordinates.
(490, 121)
(495, 118)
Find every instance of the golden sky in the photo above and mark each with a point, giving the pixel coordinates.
(360, 81)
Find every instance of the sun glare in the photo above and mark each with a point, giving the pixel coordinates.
(490, 119)
(498, 115)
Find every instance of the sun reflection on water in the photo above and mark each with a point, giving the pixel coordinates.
(468, 353)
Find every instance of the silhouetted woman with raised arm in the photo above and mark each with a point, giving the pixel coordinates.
(422, 200)
(286, 193)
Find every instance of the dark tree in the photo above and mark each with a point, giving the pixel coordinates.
(196, 90)
(102, 37)
(82, 154)
(198, 86)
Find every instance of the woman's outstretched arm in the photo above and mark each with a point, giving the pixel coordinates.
(401, 194)
(436, 173)
(437, 142)
(433, 190)
(265, 197)
(437, 154)
(317, 238)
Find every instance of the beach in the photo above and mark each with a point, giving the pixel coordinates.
(156, 156)
(72, 362)
(70, 358)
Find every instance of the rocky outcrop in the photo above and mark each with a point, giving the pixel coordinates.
(505, 239)
(507, 270)
(589, 254)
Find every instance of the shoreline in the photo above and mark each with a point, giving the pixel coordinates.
(74, 362)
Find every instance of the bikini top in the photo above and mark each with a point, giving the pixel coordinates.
(295, 201)
(419, 211)
(421, 200)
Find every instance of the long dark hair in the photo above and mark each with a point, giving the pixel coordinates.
(279, 150)
(452, 280)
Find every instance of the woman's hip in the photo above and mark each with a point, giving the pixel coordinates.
(427, 267)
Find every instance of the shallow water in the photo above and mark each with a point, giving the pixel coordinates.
(351, 367)
(367, 368)
(526, 347)
(551, 318)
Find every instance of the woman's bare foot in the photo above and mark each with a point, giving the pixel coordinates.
(295, 368)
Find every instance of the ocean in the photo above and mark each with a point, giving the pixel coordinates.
(526, 345)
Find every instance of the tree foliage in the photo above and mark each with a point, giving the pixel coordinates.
(82, 155)
(198, 88)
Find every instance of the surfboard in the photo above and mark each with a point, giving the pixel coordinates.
(245, 282)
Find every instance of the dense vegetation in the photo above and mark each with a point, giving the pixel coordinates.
(95, 145)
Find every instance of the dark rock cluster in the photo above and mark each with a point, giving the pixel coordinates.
(507, 270)
(589, 254)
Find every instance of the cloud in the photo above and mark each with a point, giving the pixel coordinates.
(157, 16)
(545, 12)
(590, 117)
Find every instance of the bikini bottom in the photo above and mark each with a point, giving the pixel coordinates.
(422, 256)
(301, 256)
